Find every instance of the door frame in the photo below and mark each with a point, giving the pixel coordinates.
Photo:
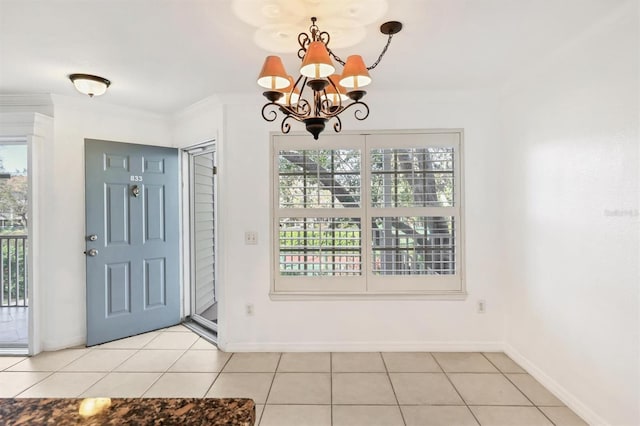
(188, 229)
(36, 130)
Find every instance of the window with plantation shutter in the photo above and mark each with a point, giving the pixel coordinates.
(375, 214)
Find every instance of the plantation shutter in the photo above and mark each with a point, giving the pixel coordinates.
(368, 214)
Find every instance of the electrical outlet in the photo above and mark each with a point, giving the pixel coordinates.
(482, 306)
(251, 238)
(249, 309)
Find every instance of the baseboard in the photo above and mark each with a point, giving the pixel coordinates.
(363, 347)
(49, 345)
(569, 399)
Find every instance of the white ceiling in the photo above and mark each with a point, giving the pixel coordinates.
(163, 55)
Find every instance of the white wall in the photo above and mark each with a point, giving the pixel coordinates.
(364, 324)
(63, 225)
(570, 195)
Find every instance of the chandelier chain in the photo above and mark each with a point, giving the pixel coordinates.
(372, 66)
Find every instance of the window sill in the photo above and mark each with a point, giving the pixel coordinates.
(460, 295)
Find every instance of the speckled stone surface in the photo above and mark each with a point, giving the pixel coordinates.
(130, 411)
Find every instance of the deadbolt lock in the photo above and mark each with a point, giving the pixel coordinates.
(92, 237)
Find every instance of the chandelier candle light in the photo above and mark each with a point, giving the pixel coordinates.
(331, 93)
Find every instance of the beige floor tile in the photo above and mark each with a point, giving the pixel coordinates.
(367, 415)
(49, 361)
(510, 416)
(156, 360)
(181, 385)
(362, 389)
(62, 385)
(122, 385)
(14, 382)
(410, 362)
(242, 385)
(300, 388)
(487, 389)
(299, 362)
(438, 415)
(537, 393)
(357, 362)
(424, 388)
(503, 362)
(102, 360)
(259, 410)
(296, 415)
(8, 361)
(563, 416)
(255, 362)
(464, 362)
(133, 342)
(172, 340)
(204, 344)
(201, 361)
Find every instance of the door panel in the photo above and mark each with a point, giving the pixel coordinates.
(133, 278)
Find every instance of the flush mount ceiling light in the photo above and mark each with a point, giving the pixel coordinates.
(88, 84)
(330, 92)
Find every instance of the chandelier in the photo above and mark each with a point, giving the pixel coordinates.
(330, 94)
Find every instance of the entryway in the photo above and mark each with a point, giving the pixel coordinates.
(201, 163)
(14, 246)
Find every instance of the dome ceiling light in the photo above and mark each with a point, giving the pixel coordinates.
(88, 84)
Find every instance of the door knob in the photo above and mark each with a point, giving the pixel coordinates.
(91, 252)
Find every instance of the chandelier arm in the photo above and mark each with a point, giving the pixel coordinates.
(303, 109)
(325, 106)
(337, 126)
(303, 41)
(360, 107)
(294, 113)
(284, 126)
(324, 37)
(272, 115)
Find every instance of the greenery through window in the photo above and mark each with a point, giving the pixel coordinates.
(369, 211)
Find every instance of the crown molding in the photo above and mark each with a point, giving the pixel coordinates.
(39, 103)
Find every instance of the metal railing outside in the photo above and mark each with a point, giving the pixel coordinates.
(13, 270)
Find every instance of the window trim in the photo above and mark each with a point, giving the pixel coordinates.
(367, 285)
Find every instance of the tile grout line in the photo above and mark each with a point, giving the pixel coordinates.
(219, 373)
(456, 389)
(516, 386)
(266, 400)
(331, 388)
(393, 389)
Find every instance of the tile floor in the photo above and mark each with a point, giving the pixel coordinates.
(297, 388)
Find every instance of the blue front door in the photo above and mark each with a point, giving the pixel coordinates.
(132, 227)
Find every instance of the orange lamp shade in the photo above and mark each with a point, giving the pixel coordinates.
(316, 62)
(335, 96)
(290, 97)
(273, 76)
(355, 73)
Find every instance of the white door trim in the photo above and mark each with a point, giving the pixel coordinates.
(37, 130)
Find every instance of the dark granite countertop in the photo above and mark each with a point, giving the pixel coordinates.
(129, 411)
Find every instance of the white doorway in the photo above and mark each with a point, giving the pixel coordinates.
(203, 297)
(14, 246)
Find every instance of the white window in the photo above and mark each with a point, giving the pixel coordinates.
(376, 214)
